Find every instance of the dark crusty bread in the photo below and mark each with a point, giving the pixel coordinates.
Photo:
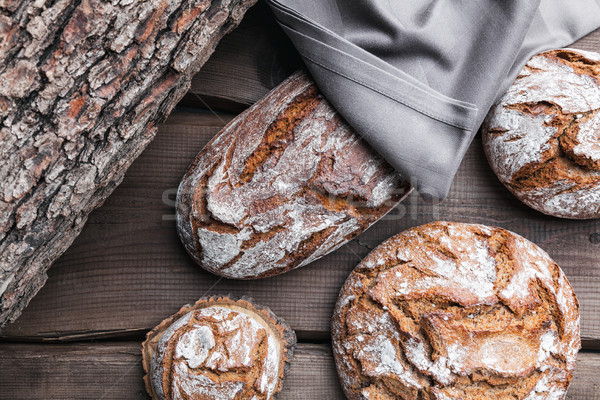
(219, 348)
(283, 184)
(542, 139)
(456, 311)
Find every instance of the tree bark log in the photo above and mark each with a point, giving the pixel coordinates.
(83, 84)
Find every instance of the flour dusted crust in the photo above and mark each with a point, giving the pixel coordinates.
(456, 311)
(285, 183)
(542, 138)
(218, 349)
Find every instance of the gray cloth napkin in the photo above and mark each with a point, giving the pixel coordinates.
(416, 78)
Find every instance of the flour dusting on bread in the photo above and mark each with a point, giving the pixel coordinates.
(456, 311)
(285, 183)
(542, 138)
(219, 348)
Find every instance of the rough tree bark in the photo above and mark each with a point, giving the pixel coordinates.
(83, 84)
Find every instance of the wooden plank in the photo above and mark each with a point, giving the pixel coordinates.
(114, 371)
(127, 270)
(586, 381)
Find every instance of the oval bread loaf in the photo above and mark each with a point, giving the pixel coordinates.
(542, 139)
(456, 311)
(283, 184)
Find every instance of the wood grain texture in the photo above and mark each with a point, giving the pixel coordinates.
(114, 371)
(247, 64)
(127, 271)
(590, 42)
(83, 85)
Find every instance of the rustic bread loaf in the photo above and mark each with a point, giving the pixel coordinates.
(542, 139)
(456, 311)
(218, 349)
(283, 184)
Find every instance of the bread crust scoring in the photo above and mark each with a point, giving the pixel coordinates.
(285, 183)
(456, 311)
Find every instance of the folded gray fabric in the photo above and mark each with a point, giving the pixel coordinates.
(416, 78)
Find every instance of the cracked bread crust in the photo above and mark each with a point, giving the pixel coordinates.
(285, 183)
(219, 349)
(452, 311)
(542, 138)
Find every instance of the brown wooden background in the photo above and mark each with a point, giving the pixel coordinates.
(80, 336)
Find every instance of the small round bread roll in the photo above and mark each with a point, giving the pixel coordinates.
(456, 311)
(218, 349)
(542, 138)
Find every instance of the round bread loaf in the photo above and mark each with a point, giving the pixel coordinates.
(218, 349)
(456, 311)
(542, 138)
(283, 184)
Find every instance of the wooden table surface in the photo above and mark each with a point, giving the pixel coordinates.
(80, 336)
